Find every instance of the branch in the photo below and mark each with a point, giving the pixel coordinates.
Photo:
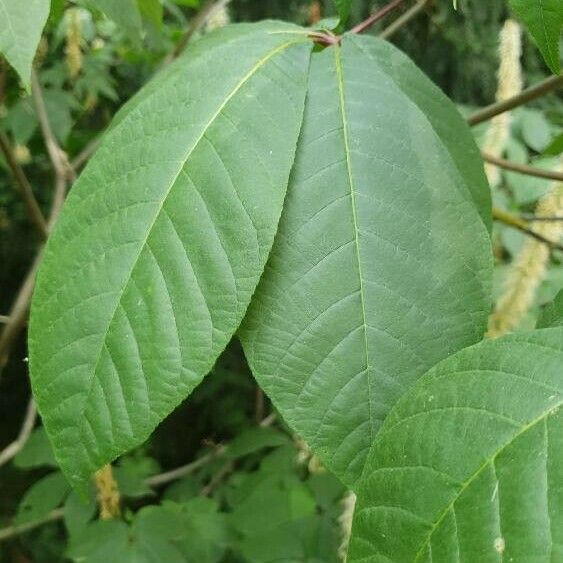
(532, 218)
(523, 168)
(197, 23)
(16, 446)
(540, 89)
(517, 223)
(84, 155)
(401, 21)
(380, 14)
(24, 187)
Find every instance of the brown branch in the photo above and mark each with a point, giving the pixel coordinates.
(12, 531)
(11, 450)
(380, 14)
(197, 23)
(540, 89)
(522, 168)
(517, 223)
(532, 218)
(401, 21)
(24, 187)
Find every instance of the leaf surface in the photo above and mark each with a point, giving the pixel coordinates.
(381, 266)
(162, 241)
(552, 314)
(468, 466)
(544, 21)
(20, 30)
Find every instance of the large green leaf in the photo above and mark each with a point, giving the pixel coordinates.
(544, 21)
(21, 25)
(469, 464)
(381, 265)
(162, 241)
(552, 314)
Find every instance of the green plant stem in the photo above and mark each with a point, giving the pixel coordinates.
(523, 168)
(401, 21)
(517, 223)
(548, 85)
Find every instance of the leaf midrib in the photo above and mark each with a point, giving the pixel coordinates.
(340, 82)
(255, 68)
(476, 474)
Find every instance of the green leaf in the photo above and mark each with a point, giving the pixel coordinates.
(151, 10)
(555, 147)
(125, 14)
(78, 512)
(552, 314)
(20, 32)
(381, 265)
(544, 21)
(162, 241)
(536, 130)
(253, 440)
(43, 496)
(469, 464)
(37, 452)
(343, 9)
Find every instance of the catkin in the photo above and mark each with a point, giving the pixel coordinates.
(73, 53)
(107, 493)
(218, 18)
(509, 85)
(529, 267)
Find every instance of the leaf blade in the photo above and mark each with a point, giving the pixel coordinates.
(142, 287)
(20, 33)
(346, 314)
(544, 21)
(486, 408)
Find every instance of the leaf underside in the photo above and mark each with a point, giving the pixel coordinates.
(21, 26)
(469, 464)
(381, 265)
(162, 241)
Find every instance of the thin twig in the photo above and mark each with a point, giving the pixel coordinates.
(380, 14)
(217, 478)
(11, 450)
(523, 168)
(196, 24)
(84, 155)
(530, 217)
(12, 531)
(517, 223)
(401, 21)
(24, 187)
(540, 89)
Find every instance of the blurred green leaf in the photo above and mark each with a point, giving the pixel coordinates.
(151, 11)
(79, 511)
(253, 440)
(45, 495)
(555, 147)
(37, 452)
(343, 8)
(552, 314)
(536, 130)
(21, 25)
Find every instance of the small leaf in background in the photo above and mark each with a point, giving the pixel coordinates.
(101, 542)
(469, 464)
(552, 314)
(343, 9)
(21, 25)
(151, 11)
(43, 496)
(78, 512)
(555, 147)
(125, 14)
(535, 129)
(253, 440)
(527, 189)
(544, 20)
(37, 452)
(130, 474)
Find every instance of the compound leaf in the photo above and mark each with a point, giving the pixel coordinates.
(162, 241)
(469, 464)
(381, 266)
(20, 31)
